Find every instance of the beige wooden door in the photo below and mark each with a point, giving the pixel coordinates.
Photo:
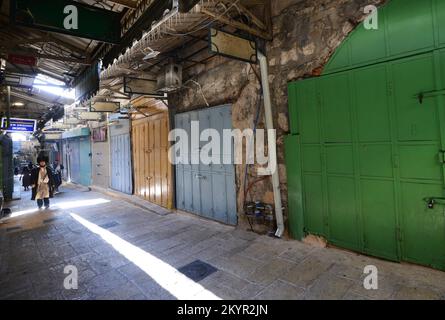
(152, 169)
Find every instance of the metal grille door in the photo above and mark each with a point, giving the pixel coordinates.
(101, 164)
(207, 190)
(121, 176)
(74, 161)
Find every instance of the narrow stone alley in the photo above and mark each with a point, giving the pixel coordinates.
(121, 251)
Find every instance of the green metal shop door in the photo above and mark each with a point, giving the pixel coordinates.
(420, 142)
(366, 153)
(369, 154)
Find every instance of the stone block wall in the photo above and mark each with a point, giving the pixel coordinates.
(305, 35)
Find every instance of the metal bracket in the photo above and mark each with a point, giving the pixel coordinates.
(423, 95)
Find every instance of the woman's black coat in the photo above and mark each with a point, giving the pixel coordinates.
(26, 177)
(35, 180)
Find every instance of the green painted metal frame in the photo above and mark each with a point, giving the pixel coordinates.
(294, 182)
(380, 40)
(94, 23)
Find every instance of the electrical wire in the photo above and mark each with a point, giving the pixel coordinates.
(206, 25)
(200, 90)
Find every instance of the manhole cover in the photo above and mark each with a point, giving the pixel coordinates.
(197, 270)
(109, 225)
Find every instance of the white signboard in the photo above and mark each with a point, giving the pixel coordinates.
(90, 116)
(73, 121)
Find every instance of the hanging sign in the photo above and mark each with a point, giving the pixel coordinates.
(19, 125)
(53, 136)
(233, 46)
(22, 60)
(88, 83)
(105, 107)
(71, 121)
(60, 126)
(68, 17)
(142, 86)
(99, 134)
(90, 116)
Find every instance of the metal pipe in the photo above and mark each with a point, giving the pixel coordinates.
(8, 106)
(272, 144)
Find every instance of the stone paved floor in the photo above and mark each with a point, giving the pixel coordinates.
(136, 254)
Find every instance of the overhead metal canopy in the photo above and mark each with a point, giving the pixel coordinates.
(59, 56)
(181, 35)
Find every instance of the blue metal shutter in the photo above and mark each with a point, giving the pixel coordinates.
(207, 190)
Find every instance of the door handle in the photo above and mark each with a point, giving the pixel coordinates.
(421, 96)
(199, 176)
(433, 201)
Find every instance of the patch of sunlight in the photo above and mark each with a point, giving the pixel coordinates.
(21, 213)
(179, 285)
(80, 203)
(17, 136)
(63, 205)
(48, 84)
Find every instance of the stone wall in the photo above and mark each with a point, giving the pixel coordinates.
(305, 35)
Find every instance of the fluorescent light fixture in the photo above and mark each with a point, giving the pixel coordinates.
(18, 104)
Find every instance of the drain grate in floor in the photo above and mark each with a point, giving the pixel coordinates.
(109, 225)
(198, 270)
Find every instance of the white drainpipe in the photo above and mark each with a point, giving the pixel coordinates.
(272, 143)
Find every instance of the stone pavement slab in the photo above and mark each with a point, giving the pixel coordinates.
(136, 255)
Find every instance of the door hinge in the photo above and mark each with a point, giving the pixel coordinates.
(395, 161)
(442, 156)
(390, 89)
(318, 95)
(399, 234)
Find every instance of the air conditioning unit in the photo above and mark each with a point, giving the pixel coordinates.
(170, 79)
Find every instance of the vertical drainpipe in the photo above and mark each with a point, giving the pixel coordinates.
(272, 143)
(8, 106)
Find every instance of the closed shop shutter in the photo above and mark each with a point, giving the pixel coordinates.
(101, 160)
(152, 169)
(74, 160)
(121, 167)
(206, 190)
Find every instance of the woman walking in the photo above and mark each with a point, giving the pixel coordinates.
(26, 178)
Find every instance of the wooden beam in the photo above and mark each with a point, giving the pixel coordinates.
(260, 24)
(242, 9)
(46, 56)
(122, 94)
(249, 3)
(268, 16)
(126, 3)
